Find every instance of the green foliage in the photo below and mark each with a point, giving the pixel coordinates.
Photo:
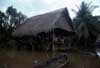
(14, 18)
(86, 25)
(2, 22)
(9, 20)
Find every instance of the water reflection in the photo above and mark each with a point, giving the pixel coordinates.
(39, 57)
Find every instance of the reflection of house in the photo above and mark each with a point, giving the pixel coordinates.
(55, 27)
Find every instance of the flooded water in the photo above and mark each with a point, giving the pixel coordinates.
(82, 61)
(22, 59)
(16, 59)
(25, 59)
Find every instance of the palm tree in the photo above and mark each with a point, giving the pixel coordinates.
(86, 25)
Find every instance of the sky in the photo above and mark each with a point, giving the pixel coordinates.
(35, 7)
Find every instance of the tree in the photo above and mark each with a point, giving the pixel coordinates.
(9, 20)
(3, 25)
(14, 18)
(86, 25)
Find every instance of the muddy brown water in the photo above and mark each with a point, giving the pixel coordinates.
(16, 59)
(25, 59)
(21, 59)
(82, 61)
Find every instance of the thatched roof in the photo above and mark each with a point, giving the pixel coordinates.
(45, 22)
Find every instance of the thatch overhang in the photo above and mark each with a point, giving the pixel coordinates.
(45, 22)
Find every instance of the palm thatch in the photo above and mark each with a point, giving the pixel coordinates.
(45, 23)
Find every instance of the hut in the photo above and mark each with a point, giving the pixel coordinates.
(53, 29)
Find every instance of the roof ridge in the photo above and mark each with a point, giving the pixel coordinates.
(57, 10)
(67, 17)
